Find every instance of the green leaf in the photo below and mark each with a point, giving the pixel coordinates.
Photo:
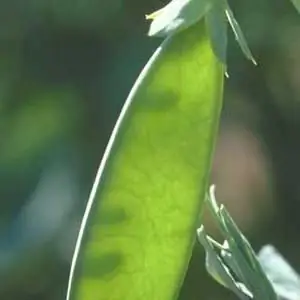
(239, 36)
(248, 253)
(177, 15)
(296, 4)
(217, 268)
(144, 207)
(237, 255)
(242, 259)
(285, 280)
(216, 24)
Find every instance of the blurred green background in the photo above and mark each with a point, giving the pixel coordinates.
(66, 68)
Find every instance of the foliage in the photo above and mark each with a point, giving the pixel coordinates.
(235, 265)
(179, 15)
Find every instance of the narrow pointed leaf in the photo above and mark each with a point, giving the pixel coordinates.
(239, 36)
(147, 195)
(243, 261)
(216, 24)
(231, 261)
(248, 253)
(176, 16)
(216, 268)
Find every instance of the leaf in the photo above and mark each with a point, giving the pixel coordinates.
(177, 15)
(285, 280)
(239, 36)
(144, 206)
(296, 3)
(216, 24)
(217, 269)
(242, 259)
(248, 253)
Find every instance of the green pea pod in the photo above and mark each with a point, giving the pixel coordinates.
(137, 233)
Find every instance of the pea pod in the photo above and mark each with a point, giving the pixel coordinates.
(139, 226)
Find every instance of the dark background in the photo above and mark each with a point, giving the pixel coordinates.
(66, 68)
